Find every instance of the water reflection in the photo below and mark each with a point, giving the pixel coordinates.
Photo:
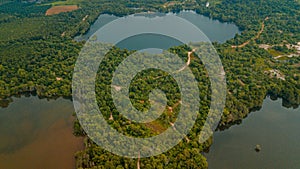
(275, 128)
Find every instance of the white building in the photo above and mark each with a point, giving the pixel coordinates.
(207, 4)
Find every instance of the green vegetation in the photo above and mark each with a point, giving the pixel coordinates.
(22, 9)
(67, 2)
(37, 54)
(139, 92)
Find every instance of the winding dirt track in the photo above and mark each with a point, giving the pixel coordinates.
(184, 67)
(188, 62)
(254, 38)
(177, 104)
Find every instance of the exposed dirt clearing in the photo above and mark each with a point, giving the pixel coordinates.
(155, 127)
(59, 9)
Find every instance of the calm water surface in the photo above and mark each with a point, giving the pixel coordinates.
(275, 128)
(213, 29)
(37, 134)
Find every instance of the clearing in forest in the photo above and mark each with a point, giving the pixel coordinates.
(59, 9)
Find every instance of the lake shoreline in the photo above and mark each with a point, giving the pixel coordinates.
(240, 141)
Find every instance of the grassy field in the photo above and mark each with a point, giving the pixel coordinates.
(275, 53)
(67, 2)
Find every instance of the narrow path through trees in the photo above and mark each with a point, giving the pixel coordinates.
(254, 38)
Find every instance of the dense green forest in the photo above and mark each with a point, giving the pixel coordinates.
(37, 55)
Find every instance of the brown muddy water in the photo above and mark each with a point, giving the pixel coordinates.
(38, 134)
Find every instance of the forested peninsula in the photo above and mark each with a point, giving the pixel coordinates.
(38, 53)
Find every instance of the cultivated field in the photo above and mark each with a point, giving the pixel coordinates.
(59, 9)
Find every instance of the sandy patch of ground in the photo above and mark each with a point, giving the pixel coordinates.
(265, 46)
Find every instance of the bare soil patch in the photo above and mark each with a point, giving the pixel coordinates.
(59, 9)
